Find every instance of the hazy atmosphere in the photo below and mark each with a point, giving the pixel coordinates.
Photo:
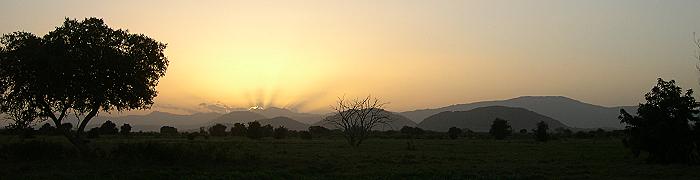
(351, 89)
(302, 55)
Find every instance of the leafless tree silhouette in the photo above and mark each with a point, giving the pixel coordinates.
(357, 117)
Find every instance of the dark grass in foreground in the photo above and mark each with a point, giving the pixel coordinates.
(147, 157)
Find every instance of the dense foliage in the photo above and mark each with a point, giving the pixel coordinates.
(454, 132)
(663, 125)
(500, 129)
(540, 132)
(81, 67)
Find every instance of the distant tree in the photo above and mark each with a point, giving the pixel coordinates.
(81, 67)
(280, 132)
(168, 130)
(523, 131)
(318, 131)
(541, 132)
(305, 135)
(217, 130)
(356, 118)
(21, 121)
(47, 129)
(108, 127)
(454, 132)
(125, 129)
(255, 131)
(412, 131)
(238, 129)
(268, 130)
(500, 129)
(662, 126)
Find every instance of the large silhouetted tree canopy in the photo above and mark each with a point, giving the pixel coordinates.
(662, 125)
(79, 68)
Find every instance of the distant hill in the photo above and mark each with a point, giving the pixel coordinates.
(397, 122)
(480, 119)
(301, 117)
(572, 113)
(237, 117)
(288, 123)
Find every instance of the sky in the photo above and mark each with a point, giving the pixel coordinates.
(413, 54)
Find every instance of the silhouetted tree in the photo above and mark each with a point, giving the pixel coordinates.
(319, 131)
(280, 132)
(356, 118)
(238, 129)
(217, 130)
(662, 125)
(267, 130)
(255, 131)
(454, 132)
(305, 135)
(108, 127)
(523, 131)
(21, 120)
(541, 131)
(47, 129)
(81, 67)
(168, 130)
(500, 129)
(125, 129)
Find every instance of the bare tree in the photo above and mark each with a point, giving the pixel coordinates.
(357, 117)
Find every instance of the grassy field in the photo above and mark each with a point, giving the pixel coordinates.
(151, 157)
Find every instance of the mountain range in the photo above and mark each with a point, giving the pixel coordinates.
(481, 118)
(570, 112)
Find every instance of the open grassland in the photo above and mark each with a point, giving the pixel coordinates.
(153, 157)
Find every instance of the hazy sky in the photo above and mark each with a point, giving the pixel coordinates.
(413, 54)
